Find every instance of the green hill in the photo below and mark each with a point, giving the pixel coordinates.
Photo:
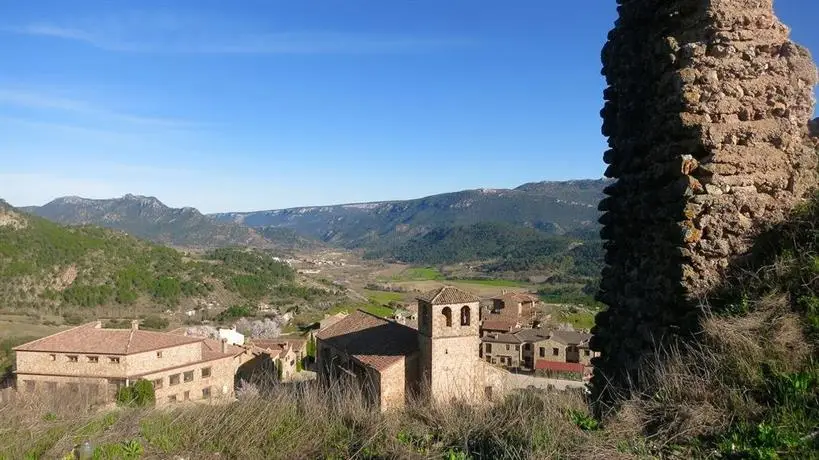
(502, 247)
(555, 207)
(43, 264)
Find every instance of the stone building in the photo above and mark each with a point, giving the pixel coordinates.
(510, 311)
(503, 349)
(94, 360)
(394, 363)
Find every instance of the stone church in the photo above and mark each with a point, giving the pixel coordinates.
(393, 363)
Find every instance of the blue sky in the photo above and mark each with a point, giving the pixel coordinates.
(259, 104)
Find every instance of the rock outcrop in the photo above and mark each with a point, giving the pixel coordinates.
(706, 114)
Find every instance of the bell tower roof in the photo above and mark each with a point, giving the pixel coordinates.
(447, 295)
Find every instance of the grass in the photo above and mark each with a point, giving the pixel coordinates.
(494, 282)
(419, 274)
(383, 297)
(579, 319)
(306, 422)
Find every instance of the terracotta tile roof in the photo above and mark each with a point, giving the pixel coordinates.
(330, 320)
(91, 339)
(498, 324)
(570, 337)
(501, 338)
(448, 295)
(558, 366)
(212, 349)
(373, 341)
(296, 344)
(517, 297)
(532, 335)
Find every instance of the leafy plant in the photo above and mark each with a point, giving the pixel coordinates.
(584, 421)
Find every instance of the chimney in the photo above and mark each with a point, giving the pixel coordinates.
(134, 324)
(224, 346)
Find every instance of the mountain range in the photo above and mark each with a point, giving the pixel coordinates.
(148, 218)
(553, 207)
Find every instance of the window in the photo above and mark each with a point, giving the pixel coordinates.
(158, 383)
(517, 347)
(555, 351)
(52, 386)
(205, 372)
(447, 312)
(52, 357)
(174, 379)
(527, 346)
(489, 348)
(488, 392)
(488, 359)
(113, 360)
(93, 359)
(74, 387)
(187, 395)
(73, 358)
(206, 392)
(465, 316)
(542, 352)
(189, 376)
(586, 352)
(158, 354)
(172, 398)
(507, 346)
(30, 385)
(493, 360)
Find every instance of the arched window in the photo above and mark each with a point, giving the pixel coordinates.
(465, 316)
(447, 316)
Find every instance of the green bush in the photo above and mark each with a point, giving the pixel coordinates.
(155, 322)
(140, 394)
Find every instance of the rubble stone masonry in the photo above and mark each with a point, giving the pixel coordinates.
(706, 114)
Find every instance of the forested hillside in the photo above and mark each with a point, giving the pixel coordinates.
(554, 207)
(43, 264)
(502, 247)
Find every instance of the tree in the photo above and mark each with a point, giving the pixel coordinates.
(155, 322)
(279, 369)
(311, 347)
(140, 394)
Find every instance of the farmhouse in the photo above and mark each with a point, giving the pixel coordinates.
(99, 362)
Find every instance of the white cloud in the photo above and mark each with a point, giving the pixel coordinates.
(163, 34)
(42, 100)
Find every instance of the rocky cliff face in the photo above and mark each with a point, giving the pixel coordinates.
(705, 113)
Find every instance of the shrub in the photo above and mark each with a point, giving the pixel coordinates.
(155, 322)
(140, 394)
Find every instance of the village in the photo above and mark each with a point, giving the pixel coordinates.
(450, 344)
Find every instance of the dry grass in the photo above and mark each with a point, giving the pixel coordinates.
(306, 422)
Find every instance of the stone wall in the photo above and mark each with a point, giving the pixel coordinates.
(706, 114)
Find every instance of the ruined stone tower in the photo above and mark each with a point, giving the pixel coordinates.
(706, 114)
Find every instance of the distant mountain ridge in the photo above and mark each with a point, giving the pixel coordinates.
(555, 207)
(147, 217)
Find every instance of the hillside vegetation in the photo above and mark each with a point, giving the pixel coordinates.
(43, 264)
(148, 218)
(503, 248)
(555, 207)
